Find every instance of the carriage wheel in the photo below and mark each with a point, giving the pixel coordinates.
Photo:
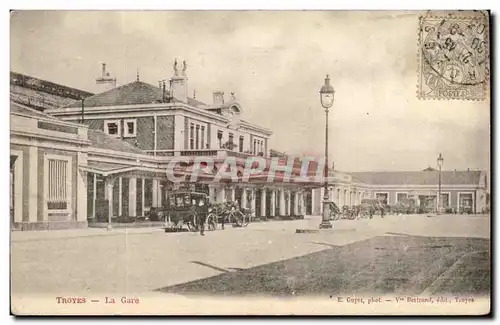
(193, 224)
(211, 222)
(245, 220)
(239, 218)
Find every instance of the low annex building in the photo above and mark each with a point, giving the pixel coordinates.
(461, 191)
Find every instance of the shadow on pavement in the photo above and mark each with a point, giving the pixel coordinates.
(380, 265)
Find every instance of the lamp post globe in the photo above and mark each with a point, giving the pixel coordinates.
(440, 160)
(326, 94)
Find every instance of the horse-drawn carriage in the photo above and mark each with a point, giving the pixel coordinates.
(344, 213)
(404, 206)
(186, 208)
(194, 210)
(369, 207)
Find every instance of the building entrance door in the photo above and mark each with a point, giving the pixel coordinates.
(268, 202)
(308, 201)
(292, 204)
(427, 203)
(258, 195)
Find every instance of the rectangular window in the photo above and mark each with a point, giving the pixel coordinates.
(130, 129)
(241, 143)
(401, 196)
(191, 136)
(445, 200)
(383, 197)
(254, 146)
(219, 138)
(231, 139)
(197, 136)
(465, 202)
(202, 143)
(59, 185)
(112, 128)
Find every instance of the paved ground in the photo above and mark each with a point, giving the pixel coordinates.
(93, 261)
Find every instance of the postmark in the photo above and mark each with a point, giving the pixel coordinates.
(453, 54)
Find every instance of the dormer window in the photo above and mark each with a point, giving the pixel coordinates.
(112, 128)
(130, 128)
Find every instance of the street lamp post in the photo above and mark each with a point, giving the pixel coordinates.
(440, 164)
(326, 97)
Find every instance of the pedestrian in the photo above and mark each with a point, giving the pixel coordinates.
(202, 226)
(201, 219)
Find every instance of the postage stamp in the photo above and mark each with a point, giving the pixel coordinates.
(453, 51)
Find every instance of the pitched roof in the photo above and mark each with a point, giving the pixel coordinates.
(418, 177)
(134, 93)
(48, 87)
(22, 109)
(102, 140)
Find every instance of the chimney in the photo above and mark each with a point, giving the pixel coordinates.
(106, 79)
(178, 83)
(218, 98)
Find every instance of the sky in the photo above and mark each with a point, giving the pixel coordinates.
(275, 62)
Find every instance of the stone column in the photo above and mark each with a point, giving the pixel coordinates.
(81, 191)
(282, 202)
(263, 203)
(221, 194)
(252, 202)
(273, 203)
(233, 194)
(211, 194)
(33, 186)
(120, 203)
(313, 198)
(243, 202)
(143, 197)
(109, 187)
(94, 196)
(154, 193)
(132, 196)
(162, 192)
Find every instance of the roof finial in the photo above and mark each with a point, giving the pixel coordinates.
(176, 69)
(137, 74)
(194, 93)
(184, 67)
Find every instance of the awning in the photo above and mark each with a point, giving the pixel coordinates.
(106, 169)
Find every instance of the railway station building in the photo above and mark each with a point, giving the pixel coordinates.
(90, 158)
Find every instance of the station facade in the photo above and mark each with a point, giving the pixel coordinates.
(105, 156)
